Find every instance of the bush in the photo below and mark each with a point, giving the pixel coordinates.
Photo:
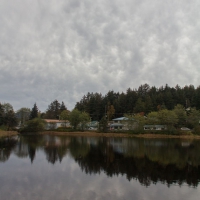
(34, 125)
(196, 130)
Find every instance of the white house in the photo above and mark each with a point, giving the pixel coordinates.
(54, 123)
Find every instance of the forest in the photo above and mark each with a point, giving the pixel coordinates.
(145, 99)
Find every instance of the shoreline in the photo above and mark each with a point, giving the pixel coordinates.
(8, 133)
(96, 134)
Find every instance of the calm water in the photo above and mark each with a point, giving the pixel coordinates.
(51, 167)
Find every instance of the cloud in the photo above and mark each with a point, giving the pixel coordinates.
(62, 50)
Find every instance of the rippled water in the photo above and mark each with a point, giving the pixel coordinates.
(52, 167)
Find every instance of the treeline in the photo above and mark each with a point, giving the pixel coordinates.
(145, 99)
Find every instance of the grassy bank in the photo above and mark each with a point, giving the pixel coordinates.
(7, 133)
(97, 134)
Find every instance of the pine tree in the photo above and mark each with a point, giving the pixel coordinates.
(53, 110)
(34, 112)
(62, 107)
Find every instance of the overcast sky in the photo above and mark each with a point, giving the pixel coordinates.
(62, 49)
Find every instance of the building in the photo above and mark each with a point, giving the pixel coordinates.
(155, 127)
(54, 123)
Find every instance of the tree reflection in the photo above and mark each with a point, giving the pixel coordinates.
(170, 161)
(6, 147)
(56, 148)
(149, 163)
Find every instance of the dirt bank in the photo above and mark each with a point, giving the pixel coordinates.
(8, 133)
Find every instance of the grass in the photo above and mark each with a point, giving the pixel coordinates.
(7, 133)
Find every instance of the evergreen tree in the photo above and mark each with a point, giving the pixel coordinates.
(63, 107)
(34, 112)
(139, 106)
(53, 110)
(110, 111)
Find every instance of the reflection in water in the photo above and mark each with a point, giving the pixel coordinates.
(6, 146)
(149, 161)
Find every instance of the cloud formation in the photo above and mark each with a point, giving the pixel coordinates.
(63, 49)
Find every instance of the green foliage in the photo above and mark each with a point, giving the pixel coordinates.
(144, 99)
(152, 118)
(78, 118)
(23, 115)
(7, 116)
(139, 106)
(65, 116)
(84, 119)
(169, 118)
(34, 112)
(74, 118)
(34, 125)
(54, 110)
(193, 118)
(130, 123)
(1, 114)
(110, 111)
(196, 130)
(140, 122)
(103, 125)
(180, 112)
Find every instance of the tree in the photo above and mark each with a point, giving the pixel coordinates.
(23, 115)
(152, 118)
(84, 119)
(103, 124)
(10, 120)
(64, 115)
(168, 118)
(139, 106)
(34, 112)
(110, 111)
(140, 122)
(181, 114)
(54, 110)
(74, 118)
(1, 114)
(130, 122)
(34, 125)
(9, 117)
(193, 118)
(63, 107)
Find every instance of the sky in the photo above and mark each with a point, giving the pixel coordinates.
(63, 49)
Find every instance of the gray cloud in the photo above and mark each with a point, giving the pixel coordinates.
(64, 49)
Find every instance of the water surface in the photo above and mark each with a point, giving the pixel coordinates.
(52, 167)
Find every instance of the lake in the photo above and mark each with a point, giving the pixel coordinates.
(58, 167)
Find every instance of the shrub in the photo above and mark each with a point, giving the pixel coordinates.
(34, 125)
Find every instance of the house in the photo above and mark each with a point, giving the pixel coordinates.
(93, 125)
(54, 123)
(120, 123)
(155, 127)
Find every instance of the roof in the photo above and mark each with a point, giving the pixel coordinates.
(120, 118)
(55, 121)
(116, 125)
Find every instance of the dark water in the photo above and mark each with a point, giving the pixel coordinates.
(51, 167)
